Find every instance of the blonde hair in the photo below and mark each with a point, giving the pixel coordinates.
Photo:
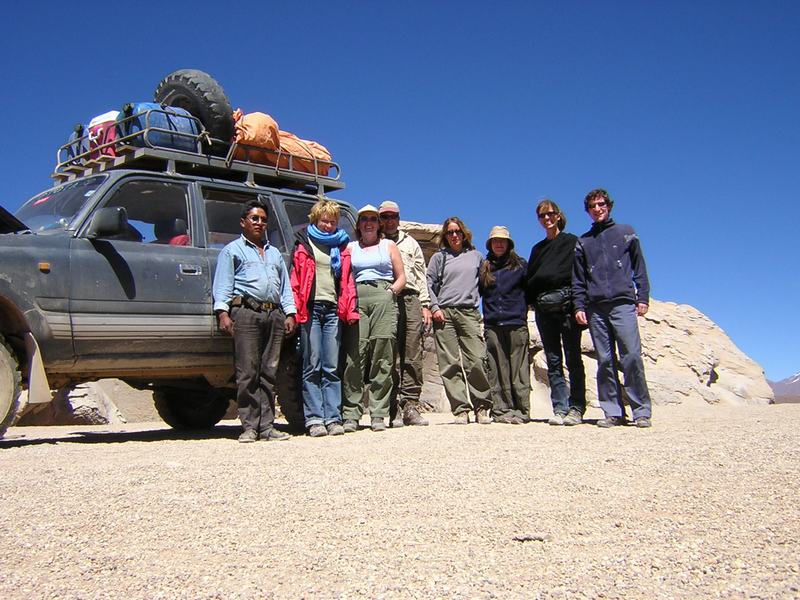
(324, 208)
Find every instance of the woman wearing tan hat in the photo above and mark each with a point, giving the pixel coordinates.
(369, 345)
(505, 320)
(548, 289)
(453, 287)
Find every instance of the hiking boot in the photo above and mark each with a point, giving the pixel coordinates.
(507, 419)
(482, 416)
(574, 417)
(350, 425)
(411, 416)
(274, 435)
(611, 422)
(643, 422)
(461, 418)
(335, 429)
(317, 430)
(248, 436)
(377, 424)
(556, 419)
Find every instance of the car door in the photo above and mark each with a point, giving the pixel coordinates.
(142, 298)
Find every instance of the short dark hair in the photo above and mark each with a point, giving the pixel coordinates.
(597, 193)
(251, 205)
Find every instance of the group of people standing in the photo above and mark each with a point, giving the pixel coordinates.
(363, 305)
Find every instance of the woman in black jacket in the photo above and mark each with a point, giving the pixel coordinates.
(505, 320)
(548, 288)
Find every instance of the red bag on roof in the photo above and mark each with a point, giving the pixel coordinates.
(255, 129)
(305, 149)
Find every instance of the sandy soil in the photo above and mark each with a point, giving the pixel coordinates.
(704, 504)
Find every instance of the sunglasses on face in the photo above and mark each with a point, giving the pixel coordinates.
(549, 213)
(368, 219)
(257, 219)
(389, 216)
(453, 232)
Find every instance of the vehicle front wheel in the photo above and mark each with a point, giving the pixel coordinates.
(189, 409)
(10, 386)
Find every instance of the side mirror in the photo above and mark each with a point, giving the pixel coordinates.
(107, 222)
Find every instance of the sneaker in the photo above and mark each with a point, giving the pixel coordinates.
(377, 424)
(350, 425)
(574, 417)
(611, 422)
(461, 419)
(556, 419)
(482, 416)
(317, 430)
(643, 422)
(411, 416)
(397, 421)
(248, 436)
(335, 429)
(274, 435)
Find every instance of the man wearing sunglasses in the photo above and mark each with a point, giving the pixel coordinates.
(610, 289)
(254, 303)
(414, 316)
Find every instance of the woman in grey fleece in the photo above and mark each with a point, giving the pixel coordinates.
(453, 286)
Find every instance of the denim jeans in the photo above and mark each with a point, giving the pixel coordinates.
(319, 345)
(613, 326)
(557, 329)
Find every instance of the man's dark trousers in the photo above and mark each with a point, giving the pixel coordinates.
(257, 339)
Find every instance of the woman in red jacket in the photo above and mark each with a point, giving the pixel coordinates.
(325, 294)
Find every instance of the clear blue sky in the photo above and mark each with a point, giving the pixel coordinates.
(687, 112)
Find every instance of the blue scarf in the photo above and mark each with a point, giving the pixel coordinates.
(332, 241)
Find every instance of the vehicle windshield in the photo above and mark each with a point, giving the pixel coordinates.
(54, 209)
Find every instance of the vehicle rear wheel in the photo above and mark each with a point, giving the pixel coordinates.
(202, 96)
(10, 386)
(189, 409)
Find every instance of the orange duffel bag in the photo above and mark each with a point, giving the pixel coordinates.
(302, 151)
(254, 131)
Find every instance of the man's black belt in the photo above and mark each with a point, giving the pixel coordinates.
(253, 304)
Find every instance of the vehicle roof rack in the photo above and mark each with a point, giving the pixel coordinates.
(82, 156)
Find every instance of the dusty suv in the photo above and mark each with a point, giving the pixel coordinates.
(109, 274)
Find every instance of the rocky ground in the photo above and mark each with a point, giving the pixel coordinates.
(704, 504)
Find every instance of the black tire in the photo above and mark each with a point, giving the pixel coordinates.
(189, 409)
(10, 386)
(289, 385)
(202, 96)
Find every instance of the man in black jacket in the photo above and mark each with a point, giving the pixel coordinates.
(610, 289)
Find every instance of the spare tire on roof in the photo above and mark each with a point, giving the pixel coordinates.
(202, 96)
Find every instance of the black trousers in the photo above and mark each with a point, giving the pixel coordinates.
(257, 339)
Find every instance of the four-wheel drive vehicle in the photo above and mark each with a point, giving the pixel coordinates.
(109, 274)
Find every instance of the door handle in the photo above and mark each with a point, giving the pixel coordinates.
(190, 269)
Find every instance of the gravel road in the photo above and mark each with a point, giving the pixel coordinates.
(704, 504)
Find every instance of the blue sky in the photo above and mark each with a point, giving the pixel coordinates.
(687, 112)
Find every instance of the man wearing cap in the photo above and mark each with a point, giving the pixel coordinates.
(414, 316)
(253, 302)
(610, 289)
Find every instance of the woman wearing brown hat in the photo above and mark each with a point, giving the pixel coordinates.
(453, 287)
(548, 288)
(505, 320)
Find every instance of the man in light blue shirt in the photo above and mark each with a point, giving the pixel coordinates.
(253, 302)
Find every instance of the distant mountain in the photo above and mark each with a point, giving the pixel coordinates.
(786, 388)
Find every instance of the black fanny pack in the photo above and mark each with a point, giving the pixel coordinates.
(559, 300)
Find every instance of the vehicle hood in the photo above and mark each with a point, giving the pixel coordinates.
(9, 223)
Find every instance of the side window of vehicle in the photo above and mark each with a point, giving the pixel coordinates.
(297, 211)
(157, 212)
(224, 211)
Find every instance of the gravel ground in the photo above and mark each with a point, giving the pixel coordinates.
(704, 504)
